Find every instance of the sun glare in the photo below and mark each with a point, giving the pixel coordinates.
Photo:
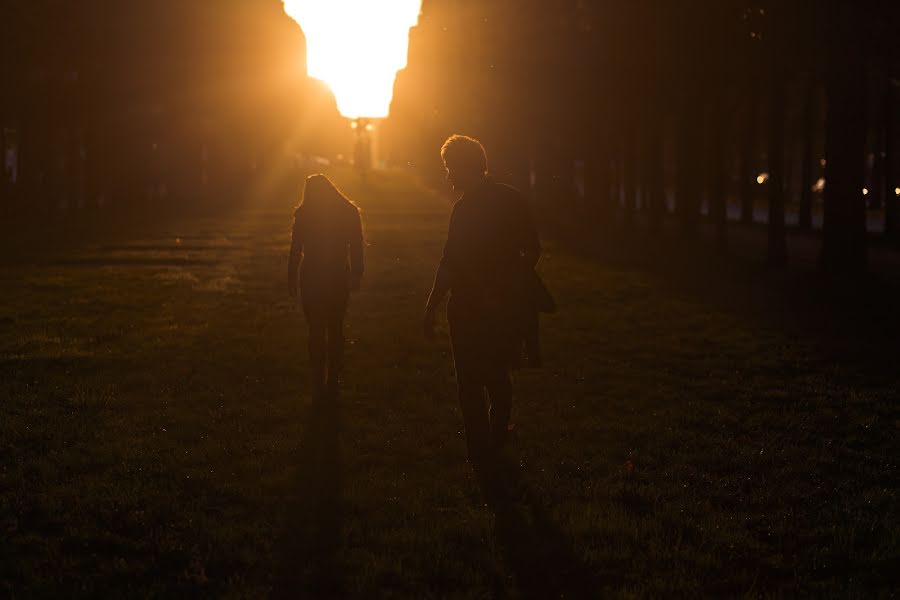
(356, 47)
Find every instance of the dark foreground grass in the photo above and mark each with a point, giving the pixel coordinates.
(157, 436)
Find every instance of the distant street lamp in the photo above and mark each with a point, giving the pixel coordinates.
(362, 150)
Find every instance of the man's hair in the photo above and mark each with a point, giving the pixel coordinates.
(464, 152)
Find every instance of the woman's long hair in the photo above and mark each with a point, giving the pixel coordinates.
(324, 207)
(321, 197)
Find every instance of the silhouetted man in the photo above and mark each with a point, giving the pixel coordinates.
(491, 242)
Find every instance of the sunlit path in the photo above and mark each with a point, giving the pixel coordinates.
(157, 418)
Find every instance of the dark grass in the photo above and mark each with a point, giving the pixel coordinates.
(158, 437)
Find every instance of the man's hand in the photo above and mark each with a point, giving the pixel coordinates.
(428, 323)
(292, 290)
(355, 282)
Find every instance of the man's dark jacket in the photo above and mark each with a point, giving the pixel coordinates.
(492, 247)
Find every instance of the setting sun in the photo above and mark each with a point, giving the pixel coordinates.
(356, 47)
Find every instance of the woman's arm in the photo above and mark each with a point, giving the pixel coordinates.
(357, 262)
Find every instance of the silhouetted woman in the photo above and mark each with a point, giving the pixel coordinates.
(326, 246)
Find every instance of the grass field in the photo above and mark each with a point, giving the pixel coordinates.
(157, 437)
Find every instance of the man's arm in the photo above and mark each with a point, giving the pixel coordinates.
(440, 288)
(438, 292)
(442, 279)
(294, 257)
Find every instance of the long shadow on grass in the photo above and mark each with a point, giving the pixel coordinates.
(307, 548)
(540, 555)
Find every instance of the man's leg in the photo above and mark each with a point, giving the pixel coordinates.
(475, 419)
(499, 389)
(468, 359)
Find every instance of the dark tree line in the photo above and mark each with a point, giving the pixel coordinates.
(177, 101)
(713, 110)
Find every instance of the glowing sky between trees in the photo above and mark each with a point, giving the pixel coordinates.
(356, 47)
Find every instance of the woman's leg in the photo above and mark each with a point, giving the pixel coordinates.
(317, 355)
(335, 325)
(310, 295)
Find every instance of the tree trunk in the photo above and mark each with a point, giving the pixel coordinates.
(777, 244)
(875, 196)
(629, 174)
(891, 199)
(717, 164)
(655, 180)
(564, 192)
(618, 192)
(544, 175)
(687, 178)
(806, 183)
(597, 183)
(4, 179)
(747, 183)
(844, 231)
